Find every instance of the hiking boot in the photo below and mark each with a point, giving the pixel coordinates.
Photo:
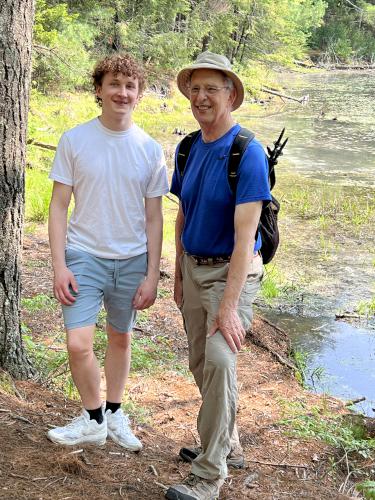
(195, 488)
(119, 430)
(81, 430)
(234, 460)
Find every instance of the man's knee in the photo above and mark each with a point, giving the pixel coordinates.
(218, 353)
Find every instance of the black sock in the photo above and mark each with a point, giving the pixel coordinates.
(96, 414)
(112, 406)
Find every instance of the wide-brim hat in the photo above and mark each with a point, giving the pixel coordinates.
(209, 60)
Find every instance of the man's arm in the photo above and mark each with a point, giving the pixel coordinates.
(146, 293)
(57, 224)
(179, 226)
(246, 219)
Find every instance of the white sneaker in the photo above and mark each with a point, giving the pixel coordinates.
(80, 430)
(120, 432)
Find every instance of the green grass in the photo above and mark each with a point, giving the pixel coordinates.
(346, 434)
(300, 361)
(38, 195)
(347, 207)
(367, 488)
(38, 302)
(149, 354)
(366, 307)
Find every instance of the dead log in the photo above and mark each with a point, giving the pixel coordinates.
(301, 100)
(305, 64)
(355, 401)
(350, 67)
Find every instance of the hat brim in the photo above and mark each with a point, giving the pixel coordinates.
(183, 79)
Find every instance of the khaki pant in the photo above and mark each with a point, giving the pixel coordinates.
(211, 361)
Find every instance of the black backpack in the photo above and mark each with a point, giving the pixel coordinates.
(268, 220)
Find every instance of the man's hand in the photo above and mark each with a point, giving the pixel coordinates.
(145, 295)
(178, 295)
(64, 280)
(229, 323)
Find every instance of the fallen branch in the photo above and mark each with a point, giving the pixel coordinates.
(275, 327)
(161, 485)
(153, 470)
(18, 476)
(301, 100)
(273, 464)
(278, 356)
(42, 145)
(355, 401)
(350, 315)
(23, 419)
(76, 452)
(305, 64)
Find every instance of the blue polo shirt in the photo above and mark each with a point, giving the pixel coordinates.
(207, 201)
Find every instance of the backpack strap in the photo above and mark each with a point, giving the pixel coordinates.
(184, 150)
(240, 143)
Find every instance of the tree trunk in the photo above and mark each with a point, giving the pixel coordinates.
(116, 41)
(16, 20)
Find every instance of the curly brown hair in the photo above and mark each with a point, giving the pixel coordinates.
(118, 63)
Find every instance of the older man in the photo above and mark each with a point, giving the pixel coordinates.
(218, 264)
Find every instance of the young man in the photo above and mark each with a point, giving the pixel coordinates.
(218, 265)
(110, 250)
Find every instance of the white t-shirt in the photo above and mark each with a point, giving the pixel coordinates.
(111, 174)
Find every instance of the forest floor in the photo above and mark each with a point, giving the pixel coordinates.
(279, 465)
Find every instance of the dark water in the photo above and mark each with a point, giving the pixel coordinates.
(332, 138)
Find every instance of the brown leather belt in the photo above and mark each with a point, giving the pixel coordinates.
(210, 261)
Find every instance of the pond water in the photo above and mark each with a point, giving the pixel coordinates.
(333, 135)
(332, 138)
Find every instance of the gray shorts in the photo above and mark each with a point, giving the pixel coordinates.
(109, 281)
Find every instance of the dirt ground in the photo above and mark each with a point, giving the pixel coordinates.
(278, 466)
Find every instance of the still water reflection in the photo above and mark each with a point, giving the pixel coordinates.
(334, 134)
(331, 138)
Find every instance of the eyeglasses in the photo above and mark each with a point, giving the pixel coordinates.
(210, 90)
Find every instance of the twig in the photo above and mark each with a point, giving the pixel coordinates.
(55, 481)
(273, 464)
(161, 485)
(153, 470)
(319, 327)
(23, 419)
(19, 476)
(2, 410)
(76, 452)
(350, 472)
(54, 53)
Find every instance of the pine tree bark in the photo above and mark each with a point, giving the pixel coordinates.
(16, 20)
